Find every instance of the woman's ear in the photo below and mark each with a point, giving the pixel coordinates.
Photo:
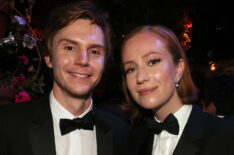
(179, 70)
(48, 61)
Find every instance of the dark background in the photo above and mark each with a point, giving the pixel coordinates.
(211, 40)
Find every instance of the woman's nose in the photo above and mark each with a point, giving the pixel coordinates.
(142, 76)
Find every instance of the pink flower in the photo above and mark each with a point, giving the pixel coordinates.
(19, 80)
(22, 97)
(23, 58)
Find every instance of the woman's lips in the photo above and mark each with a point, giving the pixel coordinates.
(144, 92)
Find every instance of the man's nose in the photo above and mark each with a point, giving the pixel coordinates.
(82, 58)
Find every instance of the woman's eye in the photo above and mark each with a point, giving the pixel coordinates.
(154, 61)
(129, 70)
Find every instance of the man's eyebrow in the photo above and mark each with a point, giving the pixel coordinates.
(77, 43)
(67, 40)
(97, 46)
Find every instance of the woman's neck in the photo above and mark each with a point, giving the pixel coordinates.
(172, 106)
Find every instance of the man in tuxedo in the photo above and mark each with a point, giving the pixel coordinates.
(65, 122)
(218, 94)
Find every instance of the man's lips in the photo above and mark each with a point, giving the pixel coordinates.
(144, 92)
(81, 75)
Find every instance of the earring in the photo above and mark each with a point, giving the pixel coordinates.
(177, 84)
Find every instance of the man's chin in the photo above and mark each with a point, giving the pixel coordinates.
(82, 95)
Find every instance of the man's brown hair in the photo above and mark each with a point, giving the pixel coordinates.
(64, 15)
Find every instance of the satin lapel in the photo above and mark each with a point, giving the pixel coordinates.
(141, 141)
(192, 135)
(149, 144)
(104, 135)
(41, 129)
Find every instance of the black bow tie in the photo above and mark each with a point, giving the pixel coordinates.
(86, 122)
(170, 124)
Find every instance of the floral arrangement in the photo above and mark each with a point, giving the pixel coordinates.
(21, 59)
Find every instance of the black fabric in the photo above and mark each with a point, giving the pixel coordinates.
(203, 134)
(170, 124)
(86, 123)
(31, 130)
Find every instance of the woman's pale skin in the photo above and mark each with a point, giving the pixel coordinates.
(151, 74)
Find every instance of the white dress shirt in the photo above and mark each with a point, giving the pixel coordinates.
(165, 143)
(77, 142)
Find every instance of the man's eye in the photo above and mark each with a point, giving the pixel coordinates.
(129, 70)
(95, 52)
(154, 61)
(69, 48)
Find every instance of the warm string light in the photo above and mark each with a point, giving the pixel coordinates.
(212, 66)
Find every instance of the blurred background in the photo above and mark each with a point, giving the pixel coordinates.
(205, 29)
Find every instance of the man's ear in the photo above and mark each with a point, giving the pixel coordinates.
(48, 61)
(180, 70)
(211, 108)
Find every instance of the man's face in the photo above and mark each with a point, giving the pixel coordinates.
(77, 58)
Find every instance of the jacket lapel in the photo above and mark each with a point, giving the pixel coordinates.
(190, 140)
(104, 135)
(149, 144)
(41, 128)
(140, 141)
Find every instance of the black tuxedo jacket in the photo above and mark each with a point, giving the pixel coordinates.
(203, 134)
(27, 129)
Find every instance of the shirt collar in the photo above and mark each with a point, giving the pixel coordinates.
(182, 116)
(58, 111)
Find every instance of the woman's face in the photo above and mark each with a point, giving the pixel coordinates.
(150, 71)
